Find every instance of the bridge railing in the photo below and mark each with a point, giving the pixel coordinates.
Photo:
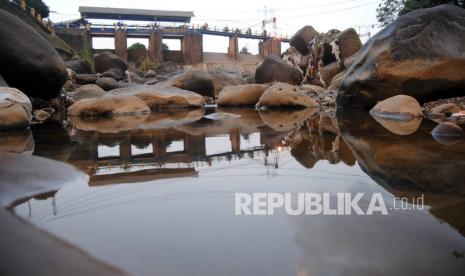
(201, 28)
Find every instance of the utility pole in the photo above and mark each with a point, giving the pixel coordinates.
(267, 19)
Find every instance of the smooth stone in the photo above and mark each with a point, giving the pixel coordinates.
(400, 107)
(109, 105)
(246, 94)
(286, 95)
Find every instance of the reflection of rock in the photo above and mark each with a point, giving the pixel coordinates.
(162, 96)
(109, 105)
(52, 141)
(163, 120)
(319, 139)
(415, 162)
(24, 176)
(17, 141)
(286, 120)
(400, 127)
(109, 125)
(447, 133)
(282, 94)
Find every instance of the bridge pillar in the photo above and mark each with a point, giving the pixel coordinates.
(235, 138)
(156, 46)
(270, 46)
(125, 151)
(121, 44)
(192, 48)
(233, 49)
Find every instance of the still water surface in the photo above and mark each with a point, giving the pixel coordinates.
(160, 199)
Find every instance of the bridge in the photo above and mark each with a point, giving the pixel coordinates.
(79, 33)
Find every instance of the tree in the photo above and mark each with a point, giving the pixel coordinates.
(137, 46)
(389, 10)
(40, 7)
(244, 50)
(165, 47)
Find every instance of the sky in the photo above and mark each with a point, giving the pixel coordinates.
(323, 15)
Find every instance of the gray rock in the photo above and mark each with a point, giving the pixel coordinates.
(421, 54)
(110, 84)
(196, 81)
(88, 91)
(274, 69)
(113, 73)
(80, 66)
(107, 60)
(109, 105)
(302, 38)
(83, 79)
(28, 61)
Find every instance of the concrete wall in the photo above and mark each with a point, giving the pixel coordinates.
(192, 48)
(136, 55)
(76, 39)
(175, 56)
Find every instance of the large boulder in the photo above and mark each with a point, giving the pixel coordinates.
(246, 94)
(421, 54)
(162, 96)
(107, 60)
(302, 38)
(110, 105)
(223, 78)
(87, 91)
(15, 109)
(346, 44)
(285, 95)
(27, 61)
(80, 66)
(196, 80)
(274, 69)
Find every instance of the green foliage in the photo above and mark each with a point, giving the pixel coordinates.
(244, 50)
(87, 55)
(137, 46)
(389, 10)
(147, 64)
(411, 5)
(165, 47)
(39, 6)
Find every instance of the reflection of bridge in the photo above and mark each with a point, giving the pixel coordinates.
(129, 166)
(79, 33)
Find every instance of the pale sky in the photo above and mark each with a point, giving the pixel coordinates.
(323, 15)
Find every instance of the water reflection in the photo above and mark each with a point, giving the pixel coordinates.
(172, 210)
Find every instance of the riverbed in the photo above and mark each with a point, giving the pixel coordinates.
(162, 194)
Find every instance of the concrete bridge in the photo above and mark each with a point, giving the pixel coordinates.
(79, 33)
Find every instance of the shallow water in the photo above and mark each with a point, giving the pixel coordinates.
(161, 195)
